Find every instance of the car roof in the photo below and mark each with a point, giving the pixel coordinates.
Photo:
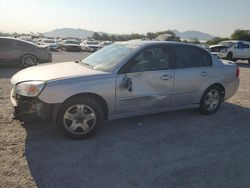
(17, 39)
(140, 43)
(235, 41)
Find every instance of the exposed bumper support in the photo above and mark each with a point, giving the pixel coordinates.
(30, 108)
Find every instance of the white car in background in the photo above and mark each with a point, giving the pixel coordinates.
(215, 49)
(106, 43)
(50, 44)
(235, 50)
(90, 46)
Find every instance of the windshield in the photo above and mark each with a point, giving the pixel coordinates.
(72, 42)
(95, 43)
(107, 58)
(26, 38)
(49, 41)
(227, 43)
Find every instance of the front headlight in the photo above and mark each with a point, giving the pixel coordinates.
(30, 88)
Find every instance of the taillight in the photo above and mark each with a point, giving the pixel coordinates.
(237, 72)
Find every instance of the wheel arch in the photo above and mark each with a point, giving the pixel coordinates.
(215, 85)
(99, 98)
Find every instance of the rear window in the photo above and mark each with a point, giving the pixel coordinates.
(191, 57)
(19, 43)
(5, 43)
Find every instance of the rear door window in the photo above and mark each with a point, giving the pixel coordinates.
(5, 43)
(188, 57)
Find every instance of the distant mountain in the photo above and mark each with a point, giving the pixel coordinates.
(69, 32)
(83, 33)
(193, 34)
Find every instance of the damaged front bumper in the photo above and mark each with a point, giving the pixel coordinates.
(29, 108)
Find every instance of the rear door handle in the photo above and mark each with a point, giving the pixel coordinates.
(204, 74)
(166, 77)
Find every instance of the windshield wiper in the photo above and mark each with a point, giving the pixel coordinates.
(87, 65)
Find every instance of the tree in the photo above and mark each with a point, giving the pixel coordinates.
(194, 41)
(113, 38)
(151, 35)
(241, 35)
(105, 37)
(96, 36)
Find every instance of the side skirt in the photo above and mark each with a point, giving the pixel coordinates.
(185, 107)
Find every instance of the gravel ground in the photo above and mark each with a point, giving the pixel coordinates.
(175, 149)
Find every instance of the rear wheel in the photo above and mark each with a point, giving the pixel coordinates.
(28, 61)
(211, 100)
(80, 117)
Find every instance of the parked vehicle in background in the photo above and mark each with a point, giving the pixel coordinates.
(90, 46)
(215, 49)
(25, 38)
(21, 53)
(106, 43)
(71, 45)
(50, 44)
(38, 41)
(123, 80)
(235, 50)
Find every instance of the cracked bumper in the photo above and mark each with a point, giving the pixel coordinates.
(29, 108)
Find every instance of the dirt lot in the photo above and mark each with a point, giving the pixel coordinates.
(176, 149)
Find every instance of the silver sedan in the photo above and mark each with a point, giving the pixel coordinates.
(123, 80)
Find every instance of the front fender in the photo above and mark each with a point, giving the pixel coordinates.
(57, 92)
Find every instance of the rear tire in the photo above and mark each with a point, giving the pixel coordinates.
(211, 100)
(28, 61)
(80, 117)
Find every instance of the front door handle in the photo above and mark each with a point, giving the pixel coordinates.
(204, 74)
(166, 77)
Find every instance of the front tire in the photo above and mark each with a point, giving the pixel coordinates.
(80, 117)
(229, 56)
(211, 100)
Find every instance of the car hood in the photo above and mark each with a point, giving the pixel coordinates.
(55, 71)
(218, 45)
(93, 45)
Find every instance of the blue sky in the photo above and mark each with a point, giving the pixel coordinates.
(217, 17)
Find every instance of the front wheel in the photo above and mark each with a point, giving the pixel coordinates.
(80, 117)
(229, 56)
(211, 100)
